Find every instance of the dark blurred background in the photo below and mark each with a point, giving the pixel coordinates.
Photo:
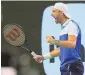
(28, 14)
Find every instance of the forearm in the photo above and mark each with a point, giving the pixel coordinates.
(52, 54)
(55, 53)
(69, 44)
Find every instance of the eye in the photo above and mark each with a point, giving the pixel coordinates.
(53, 11)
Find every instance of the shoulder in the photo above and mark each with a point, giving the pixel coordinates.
(73, 28)
(72, 24)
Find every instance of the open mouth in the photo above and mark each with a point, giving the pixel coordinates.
(55, 19)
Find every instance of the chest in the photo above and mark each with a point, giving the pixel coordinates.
(64, 33)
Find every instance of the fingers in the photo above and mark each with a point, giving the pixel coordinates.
(38, 58)
(50, 39)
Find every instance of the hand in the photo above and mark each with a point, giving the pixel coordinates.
(50, 39)
(38, 58)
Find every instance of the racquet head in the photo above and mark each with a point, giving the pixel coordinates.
(13, 34)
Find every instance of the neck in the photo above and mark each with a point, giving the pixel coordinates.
(64, 19)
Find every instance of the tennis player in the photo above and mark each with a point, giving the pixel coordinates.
(69, 43)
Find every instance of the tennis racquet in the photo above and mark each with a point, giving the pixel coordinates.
(14, 35)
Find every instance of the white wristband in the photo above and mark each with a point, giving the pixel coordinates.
(47, 56)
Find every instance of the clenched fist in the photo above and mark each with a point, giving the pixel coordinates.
(38, 58)
(50, 39)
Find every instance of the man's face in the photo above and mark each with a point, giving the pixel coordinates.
(56, 14)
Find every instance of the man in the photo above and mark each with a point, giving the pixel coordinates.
(69, 43)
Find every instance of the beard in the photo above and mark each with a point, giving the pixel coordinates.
(57, 20)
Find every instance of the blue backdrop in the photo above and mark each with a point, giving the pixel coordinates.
(49, 27)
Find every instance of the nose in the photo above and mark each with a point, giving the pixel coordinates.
(52, 15)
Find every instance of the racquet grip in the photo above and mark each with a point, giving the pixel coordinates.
(33, 54)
